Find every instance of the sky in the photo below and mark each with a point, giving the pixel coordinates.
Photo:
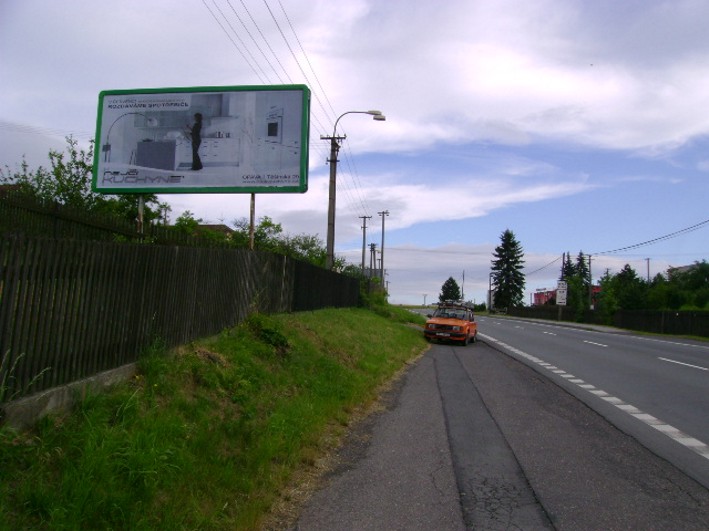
(580, 126)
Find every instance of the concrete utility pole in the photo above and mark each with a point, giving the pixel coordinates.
(364, 237)
(334, 150)
(383, 214)
(372, 257)
(590, 284)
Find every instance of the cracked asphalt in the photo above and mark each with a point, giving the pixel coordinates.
(472, 439)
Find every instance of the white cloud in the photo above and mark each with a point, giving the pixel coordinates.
(551, 87)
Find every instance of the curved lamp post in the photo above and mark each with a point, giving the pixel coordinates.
(334, 149)
(106, 148)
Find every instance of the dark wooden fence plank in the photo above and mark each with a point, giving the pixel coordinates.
(76, 308)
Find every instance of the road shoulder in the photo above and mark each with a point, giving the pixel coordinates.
(587, 473)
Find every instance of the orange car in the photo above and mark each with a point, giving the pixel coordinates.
(452, 321)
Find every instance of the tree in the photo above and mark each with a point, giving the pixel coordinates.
(68, 182)
(507, 276)
(631, 289)
(661, 295)
(579, 284)
(690, 286)
(568, 269)
(582, 270)
(187, 224)
(450, 291)
(607, 300)
(623, 291)
(269, 236)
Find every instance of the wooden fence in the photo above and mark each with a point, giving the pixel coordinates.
(70, 309)
(689, 323)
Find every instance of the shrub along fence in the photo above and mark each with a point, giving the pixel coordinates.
(70, 309)
(689, 323)
(21, 214)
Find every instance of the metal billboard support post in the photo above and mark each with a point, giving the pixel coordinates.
(252, 223)
(141, 213)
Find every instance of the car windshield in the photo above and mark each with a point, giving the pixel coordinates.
(450, 313)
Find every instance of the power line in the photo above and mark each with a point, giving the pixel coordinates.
(356, 185)
(544, 266)
(468, 253)
(230, 38)
(266, 41)
(669, 236)
(243, 24)
(307, 59)
(350, 183)
(36, 130)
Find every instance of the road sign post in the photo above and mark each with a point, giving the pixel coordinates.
(561, 295)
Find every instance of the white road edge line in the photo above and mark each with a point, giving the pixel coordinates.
(670, 431)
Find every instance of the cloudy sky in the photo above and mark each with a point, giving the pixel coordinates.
(578, 125)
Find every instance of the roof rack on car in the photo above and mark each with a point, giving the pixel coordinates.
(463, 304)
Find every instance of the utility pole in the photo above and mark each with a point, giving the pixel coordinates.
(364, 237)
(372, 257)
(383, 214)
(590, 284)
(648, 270)
(334, 150)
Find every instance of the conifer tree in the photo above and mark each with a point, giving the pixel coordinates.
(582, 269)
(450, 291)
(507, 275)
(568, 269)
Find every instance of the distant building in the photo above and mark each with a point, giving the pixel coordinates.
(548, 296)
(671, 271)
(542, 296)
(224, 229)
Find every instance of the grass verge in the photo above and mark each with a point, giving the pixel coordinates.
(207, 436)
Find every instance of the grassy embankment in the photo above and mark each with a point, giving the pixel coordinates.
(209, 436)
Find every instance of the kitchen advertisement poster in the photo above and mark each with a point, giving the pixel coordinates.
(251, 139)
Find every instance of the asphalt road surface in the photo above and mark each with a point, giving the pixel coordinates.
(652, 387)
(473, 439)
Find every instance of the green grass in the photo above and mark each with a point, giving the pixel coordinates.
(209, 436)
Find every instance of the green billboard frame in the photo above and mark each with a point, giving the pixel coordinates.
(184, 140)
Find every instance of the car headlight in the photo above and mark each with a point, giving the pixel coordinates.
(456, 329)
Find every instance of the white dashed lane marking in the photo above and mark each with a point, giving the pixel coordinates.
(596, 344)
(685, 364)
(682, 438)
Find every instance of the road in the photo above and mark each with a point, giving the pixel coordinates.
(654, 388)
(474, 438)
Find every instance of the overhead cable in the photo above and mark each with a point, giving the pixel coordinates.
(659, 239)
(231, 39)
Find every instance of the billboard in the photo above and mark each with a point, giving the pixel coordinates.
(248, 139)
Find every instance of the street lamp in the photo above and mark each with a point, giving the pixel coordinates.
(334, 149)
